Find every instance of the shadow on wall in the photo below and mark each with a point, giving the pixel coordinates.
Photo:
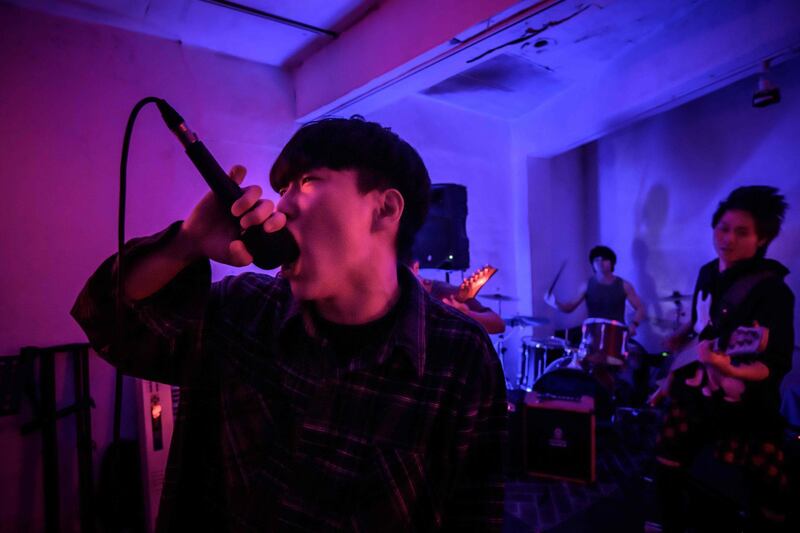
(650, 220)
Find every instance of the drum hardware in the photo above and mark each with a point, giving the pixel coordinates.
(499, 298)
(564, 381)
(537, 356)
(521, 320)
(677, 298)
(501, 350)
(502, 338)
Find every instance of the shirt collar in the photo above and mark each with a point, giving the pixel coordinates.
(409, 334)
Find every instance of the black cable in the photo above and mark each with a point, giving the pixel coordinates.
(120, 308)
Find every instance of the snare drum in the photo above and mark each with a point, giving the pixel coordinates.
(604, 341)
(538, 354)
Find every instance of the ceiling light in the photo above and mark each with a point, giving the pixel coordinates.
(767, 93)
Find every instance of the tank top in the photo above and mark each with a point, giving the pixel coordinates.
(606, 301)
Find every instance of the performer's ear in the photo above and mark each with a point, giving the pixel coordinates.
(389, 209)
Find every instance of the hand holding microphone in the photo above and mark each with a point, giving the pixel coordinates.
(214, 232)
(259, 236)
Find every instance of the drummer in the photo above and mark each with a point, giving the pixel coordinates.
(471, 307)
(604, 292)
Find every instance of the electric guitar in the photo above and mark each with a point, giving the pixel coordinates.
(470, 287)
(743, 341)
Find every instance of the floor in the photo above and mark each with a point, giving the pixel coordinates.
(620, 499)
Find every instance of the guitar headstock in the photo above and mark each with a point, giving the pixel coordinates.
(745, 340)
(471, 285)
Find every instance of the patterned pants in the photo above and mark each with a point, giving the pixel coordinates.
(693, 421)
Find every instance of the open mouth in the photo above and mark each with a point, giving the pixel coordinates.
(289, 269)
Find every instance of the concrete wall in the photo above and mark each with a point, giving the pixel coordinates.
(648, 191)
(473, 150)
(67, 90)
(660, 180)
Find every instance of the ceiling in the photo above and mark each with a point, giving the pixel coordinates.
(585, 66)
(240, 28)
(537, 58)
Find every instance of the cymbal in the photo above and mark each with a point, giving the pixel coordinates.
(521, 320)
(675, 296)
(497, 297)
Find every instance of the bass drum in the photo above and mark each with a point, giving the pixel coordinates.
(563, 380)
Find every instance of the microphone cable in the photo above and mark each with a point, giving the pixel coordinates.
(120, 307)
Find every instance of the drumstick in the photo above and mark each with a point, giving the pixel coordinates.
(558, 275)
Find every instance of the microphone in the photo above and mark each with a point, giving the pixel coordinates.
(269, 250)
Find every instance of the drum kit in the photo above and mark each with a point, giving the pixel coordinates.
(553, 365)
(603, 344)
(557, 367)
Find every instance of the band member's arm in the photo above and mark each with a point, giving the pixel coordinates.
(157, 336)
(775, 312)
(568, 306)
(208, 232)
(636, 303)
(487, 318)
(166, 291)
(755, 371)
(661, 391)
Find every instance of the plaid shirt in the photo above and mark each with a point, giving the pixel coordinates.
(276, 432)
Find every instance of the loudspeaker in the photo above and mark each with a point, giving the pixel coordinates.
(559, 438)
(442, 241)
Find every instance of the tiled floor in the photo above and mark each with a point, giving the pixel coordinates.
(618, 501)
(622, 500)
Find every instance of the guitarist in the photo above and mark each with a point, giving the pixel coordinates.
(471, 307)
(738, 288)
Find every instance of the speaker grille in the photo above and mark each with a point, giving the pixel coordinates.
(442, 242)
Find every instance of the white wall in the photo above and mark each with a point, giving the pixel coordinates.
(660, 180)
(648, 191)
(473, 150)
(67, 90)
(563, 226)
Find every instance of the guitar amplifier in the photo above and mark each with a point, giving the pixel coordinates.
(559, 437)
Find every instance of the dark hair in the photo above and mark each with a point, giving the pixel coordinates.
(381, 159)
(605, 252)
(764, 203)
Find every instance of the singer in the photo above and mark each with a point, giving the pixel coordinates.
(336, 396)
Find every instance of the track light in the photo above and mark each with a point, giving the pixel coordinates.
(767, 93)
